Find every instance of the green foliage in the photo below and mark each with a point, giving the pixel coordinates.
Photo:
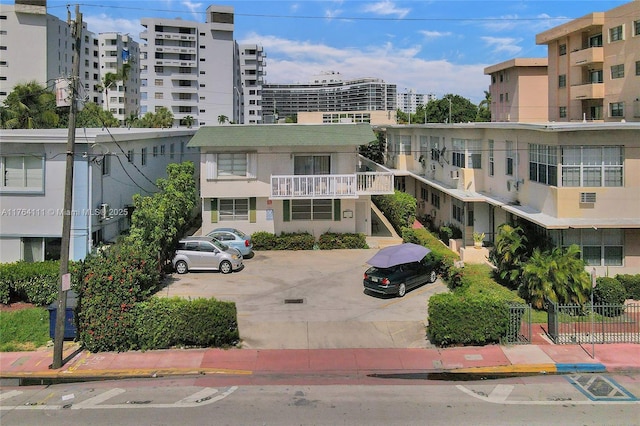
(558, 275)
(609, 291)
(444, 257)
(330, 240)
(32, 282)
(399, 208)
(461, 109)
(164, 323)
(24, 330)
(484, 108)
(30, 106)
(455, 318)
(509, 254)
(295, 241)
(93, 116)
(631, 284)
(162, 118)
(263, 240)
(375, 150)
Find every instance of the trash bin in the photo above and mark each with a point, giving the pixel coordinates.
(70, 331)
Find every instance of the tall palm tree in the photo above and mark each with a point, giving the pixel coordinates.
(30, 106)
(509, 254)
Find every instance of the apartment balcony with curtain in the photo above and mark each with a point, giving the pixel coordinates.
(331, 186)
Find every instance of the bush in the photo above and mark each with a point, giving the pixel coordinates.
(295, 241)
(399, 209)
(610, 292)
(263, 240)
(329, 240)
(631, 283)
(445, 234)
(457, 319)
(32, 282)
(158, 322)
(445, 257)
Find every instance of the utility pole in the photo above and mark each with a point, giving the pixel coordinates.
(61, 313)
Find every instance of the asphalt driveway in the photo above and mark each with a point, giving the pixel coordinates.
(312, 300)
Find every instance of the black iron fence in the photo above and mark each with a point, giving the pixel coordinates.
(519, 328)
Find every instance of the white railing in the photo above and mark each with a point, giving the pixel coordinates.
(331, 186)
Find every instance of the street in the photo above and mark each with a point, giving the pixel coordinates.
(587, 399)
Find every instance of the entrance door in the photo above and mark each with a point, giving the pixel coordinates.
(363, 219)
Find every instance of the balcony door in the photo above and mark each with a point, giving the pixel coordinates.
(312, 165)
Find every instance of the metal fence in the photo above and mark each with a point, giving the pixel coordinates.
(573, 324)
(519, 327)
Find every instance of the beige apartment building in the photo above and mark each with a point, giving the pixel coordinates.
(577, 183)
(518, 90)
(594, 66)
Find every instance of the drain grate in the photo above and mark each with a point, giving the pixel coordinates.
(289, 301)
(601, 388)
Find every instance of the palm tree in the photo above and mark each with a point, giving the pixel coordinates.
(509, 254)
(188, 121)
(108, 80)
(222, 119)
(30, 106)
(484, 108)
(163, 118)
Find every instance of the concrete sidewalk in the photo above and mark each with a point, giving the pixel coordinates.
(497, 359)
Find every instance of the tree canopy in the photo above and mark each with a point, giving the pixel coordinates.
(94, 116)
(30, 106)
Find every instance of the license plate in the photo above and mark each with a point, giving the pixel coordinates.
(374, 279)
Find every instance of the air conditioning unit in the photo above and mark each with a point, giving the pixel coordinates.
(104, 211)
(455, 174)
(588, 197)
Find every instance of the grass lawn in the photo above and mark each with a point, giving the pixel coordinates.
(24, 330)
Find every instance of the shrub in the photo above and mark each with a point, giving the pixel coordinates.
(329, 240)
(295, 241)
(445, 257)
(398, 208)
(263, 240)
(610, 292)
(631, 284)
(33, 282)
(445, 234)
(158, 322)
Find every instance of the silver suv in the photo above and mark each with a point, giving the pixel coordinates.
(206, 254)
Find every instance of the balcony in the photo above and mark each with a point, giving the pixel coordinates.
(592, 55)
(330, 186)
(587, 91)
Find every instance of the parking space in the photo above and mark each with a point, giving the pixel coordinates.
(312, 300)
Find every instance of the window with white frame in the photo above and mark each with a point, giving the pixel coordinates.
(592, 166)
(617, 71)
(312, 164)
(598, 247)
(231, 165)
(234, 209)
(457, 208)
(405, 145)
(467, 153)
(434, 143)
(316, 209)
(616, 33)
(543, 164)
(562, 80)
(510, 156)
(616, 109)
(491, 158)
(424, 147)
(22, 173)
(636, 27)
(38, 249)
(457, 153)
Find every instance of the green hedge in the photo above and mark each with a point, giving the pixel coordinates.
(398, 208)
(631, 284)
(32, 282)
(163, 323)
(263, 240)
(305, 241)
(609, 291)
(329, 241)
(445, 257)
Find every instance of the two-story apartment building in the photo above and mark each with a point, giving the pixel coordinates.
(287, 178)
(111, 165)
(578, 183)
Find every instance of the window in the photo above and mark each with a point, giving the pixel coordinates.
(106, 164)
(158, 95)
(155, 151)
(312, 165)
(562, 80)
(543, 164)
(562, 112)
(143, 156)
(424, 193)
(405, 145)
(434, 141)
(616, 33)
(172, 150)
(467, 153)
(158, 82)
(424, 147)
(231, 165)
(501, 98)
(562, 50)
(491, 158)
(616, 109)
(595, 40)
(130, 156)
(38, 249)
(637, 67)
(617, 71)
(234, 209)
(457, 153)
(592, 166)
(598, 247)
(22, 173)
(596, 76)
(312, 209)
(162, 150)
(458, 210)
(636, 27)
(509, 158)
(435, 200)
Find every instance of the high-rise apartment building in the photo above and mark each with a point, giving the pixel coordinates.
(408, 101)
(119, 55)
(332, 95)
(250, 63)
(518, 90)
(594, 66)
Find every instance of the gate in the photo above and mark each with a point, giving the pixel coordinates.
(552, 320)
(519, 327)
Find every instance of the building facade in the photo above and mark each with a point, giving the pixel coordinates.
(515, 90)
(408, 101)
(594, 66)
(110, 167)
(287, 178)
(376, 118)
(576, 183)
(250, 63)
(331, 95)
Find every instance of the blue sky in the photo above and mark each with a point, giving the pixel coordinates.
(427, 46)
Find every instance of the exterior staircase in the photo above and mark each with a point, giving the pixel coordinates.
(382, 233)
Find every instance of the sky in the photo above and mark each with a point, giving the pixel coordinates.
(435, 47)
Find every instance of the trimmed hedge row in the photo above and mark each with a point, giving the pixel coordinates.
(35, 282)
(399, 208)
(305, 241)
(631, 283)
(445, 257)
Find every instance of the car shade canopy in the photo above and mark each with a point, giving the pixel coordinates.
(397, 255)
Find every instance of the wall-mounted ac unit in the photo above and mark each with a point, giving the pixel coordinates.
(587, 197)
(455, 174)
(104, 211)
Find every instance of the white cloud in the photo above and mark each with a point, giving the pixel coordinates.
(103, 23)
(386, 7)
(195, 9)
(292, 61)
(500, 45)
(434, 34)
(538, 23)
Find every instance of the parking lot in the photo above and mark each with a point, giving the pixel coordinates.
(312, 300)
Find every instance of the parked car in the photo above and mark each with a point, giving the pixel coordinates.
(234, 238)
(399, 279)
(205, 254)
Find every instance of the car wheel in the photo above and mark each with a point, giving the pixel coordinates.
(402, 290)
(225, 267)
(433, 276)
(181, 267)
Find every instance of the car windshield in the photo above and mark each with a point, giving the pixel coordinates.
(382, 271)
(238, 233)
(220, 246)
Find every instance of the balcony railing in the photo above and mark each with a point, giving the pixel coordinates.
(331, 186)
(591, 55)
(588, 91)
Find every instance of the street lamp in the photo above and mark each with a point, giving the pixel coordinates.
(449, 110)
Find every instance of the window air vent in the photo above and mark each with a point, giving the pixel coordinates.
(587, 197)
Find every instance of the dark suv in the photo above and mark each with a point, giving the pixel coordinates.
(398, 279)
